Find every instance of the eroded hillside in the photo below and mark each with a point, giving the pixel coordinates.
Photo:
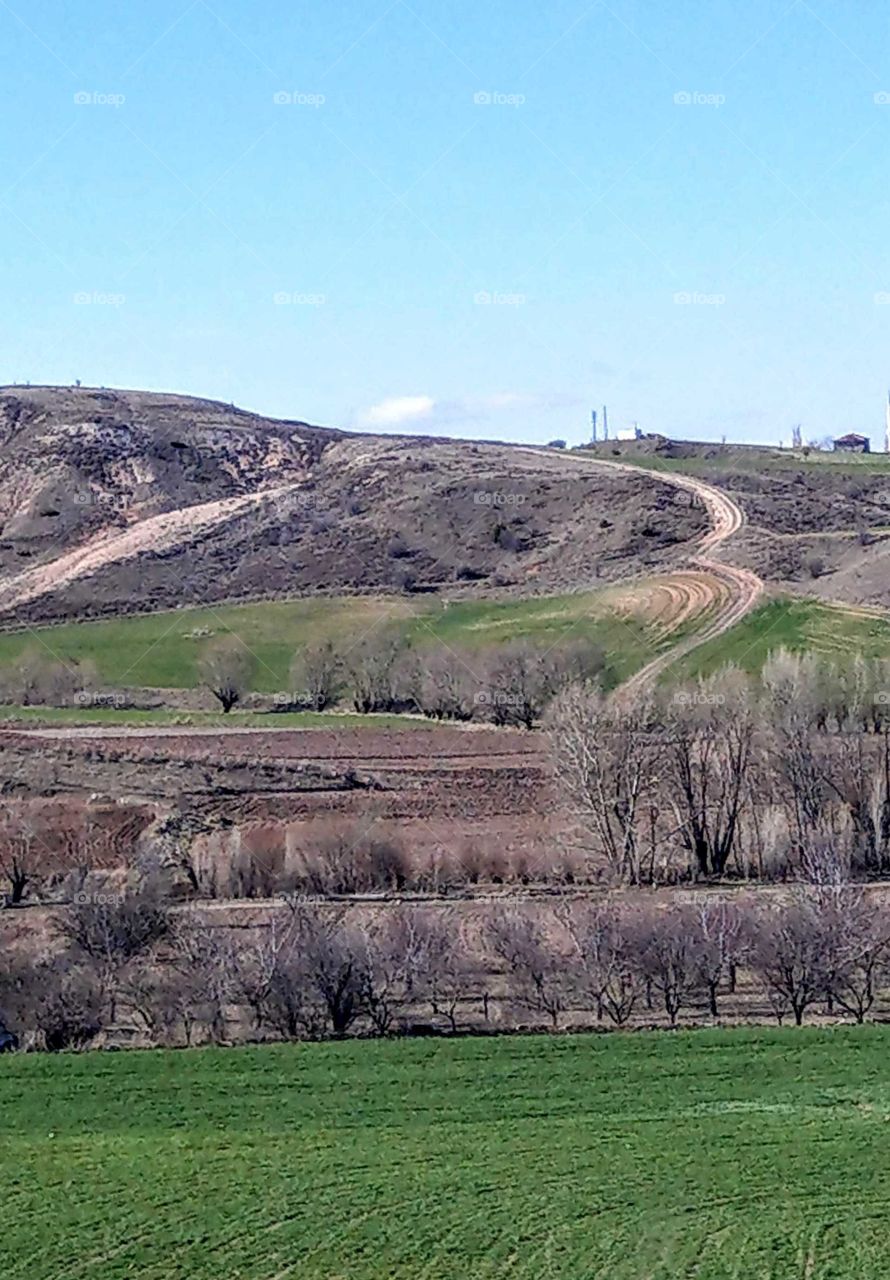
(113, 502)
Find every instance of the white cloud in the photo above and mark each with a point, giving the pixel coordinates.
(398, 409)
(496, 411)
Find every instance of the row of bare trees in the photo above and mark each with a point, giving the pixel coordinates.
(38, 678)
(510, 684)
(728, 775)
(314, 972)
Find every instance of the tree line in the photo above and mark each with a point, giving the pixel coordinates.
(313, 972)
(728, 775)
(506, 684)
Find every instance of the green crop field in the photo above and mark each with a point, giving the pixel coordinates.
(755, 1154)
(797, 625)
(11, 716)
(160, 650)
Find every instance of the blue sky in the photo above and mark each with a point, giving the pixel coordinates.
(477, 219)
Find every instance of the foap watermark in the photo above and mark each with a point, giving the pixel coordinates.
(83, 898)
(494, 98)
(97, 698)
(298, 98)
(93, 499)
(698, 698)
(881, 299)
(695, 98)
(882, 98)
(496, 498)
(498, 698)
(90, 98)
(284, 699)
(684, 299)
(96, 298)
(492, 298)
(285, 299)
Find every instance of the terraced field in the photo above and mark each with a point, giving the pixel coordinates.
(710, 1154)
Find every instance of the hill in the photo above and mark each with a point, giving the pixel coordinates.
(817, 523)
(710, 1154)
(113, 502)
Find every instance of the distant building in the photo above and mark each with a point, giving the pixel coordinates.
(629, 433)
(852, 443)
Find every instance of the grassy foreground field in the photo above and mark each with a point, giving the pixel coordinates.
(750, 1154)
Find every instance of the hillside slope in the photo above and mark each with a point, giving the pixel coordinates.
(817, 523)
(114, 502)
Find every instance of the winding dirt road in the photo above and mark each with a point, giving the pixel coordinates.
(743, 587)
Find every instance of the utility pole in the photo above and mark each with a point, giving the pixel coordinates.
(593, 426)
(605, 423)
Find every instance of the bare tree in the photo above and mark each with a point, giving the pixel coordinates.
(334, 958)
(225, 667)
(519, 684)
(18, 848)
(797, 702)
(271, 978)
(709, 743)
(444, 970)
(111, 929)
(203, 957)
(373, 672)
(789, 955)
(37, 679)
(317, 673)
(854, 928)
(543, 981)
(396, 955)
(603, 945)
(158, 994)
(444, 685)
(66, 1004)
(606, 759)
(719, 941)
(667, 955)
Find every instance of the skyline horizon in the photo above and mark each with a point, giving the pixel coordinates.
(438, 431)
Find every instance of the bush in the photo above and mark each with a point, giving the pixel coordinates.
(397, 548)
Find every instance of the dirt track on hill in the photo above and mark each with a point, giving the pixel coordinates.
(743, 587)
(156, 534)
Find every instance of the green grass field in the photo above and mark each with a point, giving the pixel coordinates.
(160, 650)
(49, 716)
(755, 1154)
(797, 625)
(753, 459)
